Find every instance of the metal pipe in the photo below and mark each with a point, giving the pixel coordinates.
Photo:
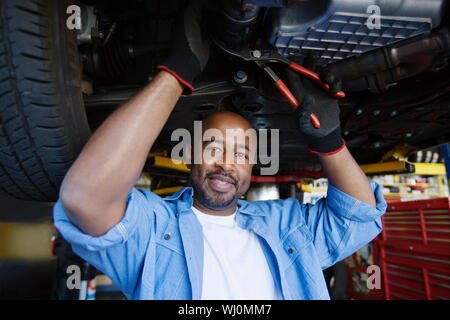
(376, 69)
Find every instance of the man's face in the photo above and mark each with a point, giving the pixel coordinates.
(225, 172)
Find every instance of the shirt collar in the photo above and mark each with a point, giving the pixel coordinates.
(181, 194)
(185, 197)
(251, 208)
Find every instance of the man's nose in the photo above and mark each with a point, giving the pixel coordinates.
(228, 161)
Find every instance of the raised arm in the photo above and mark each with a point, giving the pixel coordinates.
(95, 189)
(344, 174)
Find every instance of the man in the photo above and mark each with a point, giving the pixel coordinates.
(202, 242)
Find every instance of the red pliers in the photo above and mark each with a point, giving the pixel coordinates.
(261, 57)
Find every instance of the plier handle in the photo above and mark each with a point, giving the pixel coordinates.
(279, 84)
(274, 56)
(262, 57)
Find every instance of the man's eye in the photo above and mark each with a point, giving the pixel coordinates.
(240, 155)
(213, 149)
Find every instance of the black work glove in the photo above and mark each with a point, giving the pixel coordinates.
(327, 139)
(189, 52)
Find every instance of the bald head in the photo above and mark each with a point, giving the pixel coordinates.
(226, 119)
(233, 123)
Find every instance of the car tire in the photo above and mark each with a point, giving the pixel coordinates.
(43, 123)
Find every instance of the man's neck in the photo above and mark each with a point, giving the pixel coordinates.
(225, 212)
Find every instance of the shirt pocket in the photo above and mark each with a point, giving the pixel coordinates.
(169, 237)
(170, 264)
(295, 241)
(302, 269)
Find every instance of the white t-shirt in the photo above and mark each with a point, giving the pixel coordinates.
(234, 265)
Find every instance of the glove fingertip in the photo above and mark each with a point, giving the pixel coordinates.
(308, 102)
(305, 114)
(336, 86)
(303, 123)
(324, 75)
(329, 78)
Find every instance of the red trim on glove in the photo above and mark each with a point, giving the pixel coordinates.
(181, 80)
(329, 153)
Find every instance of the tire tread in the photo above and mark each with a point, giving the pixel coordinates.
(37, 142)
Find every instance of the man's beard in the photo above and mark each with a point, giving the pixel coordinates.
(213, 200)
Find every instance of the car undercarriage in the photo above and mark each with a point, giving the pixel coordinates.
(392, 58)
(395, 78)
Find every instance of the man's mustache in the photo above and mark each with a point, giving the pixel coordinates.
(222, 174)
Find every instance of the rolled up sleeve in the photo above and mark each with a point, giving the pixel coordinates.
(341, 224)
(120, 252)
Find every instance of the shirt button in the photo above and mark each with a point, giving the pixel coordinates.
(290, 250)
(166, 236)
(176, 215)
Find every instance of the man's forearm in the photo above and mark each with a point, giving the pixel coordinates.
(345, 174)
(113, 158)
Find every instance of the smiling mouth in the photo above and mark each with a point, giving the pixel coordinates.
(221, 183)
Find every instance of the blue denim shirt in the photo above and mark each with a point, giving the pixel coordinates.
(156, 250)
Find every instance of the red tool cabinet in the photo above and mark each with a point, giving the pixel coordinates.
(413, 252)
